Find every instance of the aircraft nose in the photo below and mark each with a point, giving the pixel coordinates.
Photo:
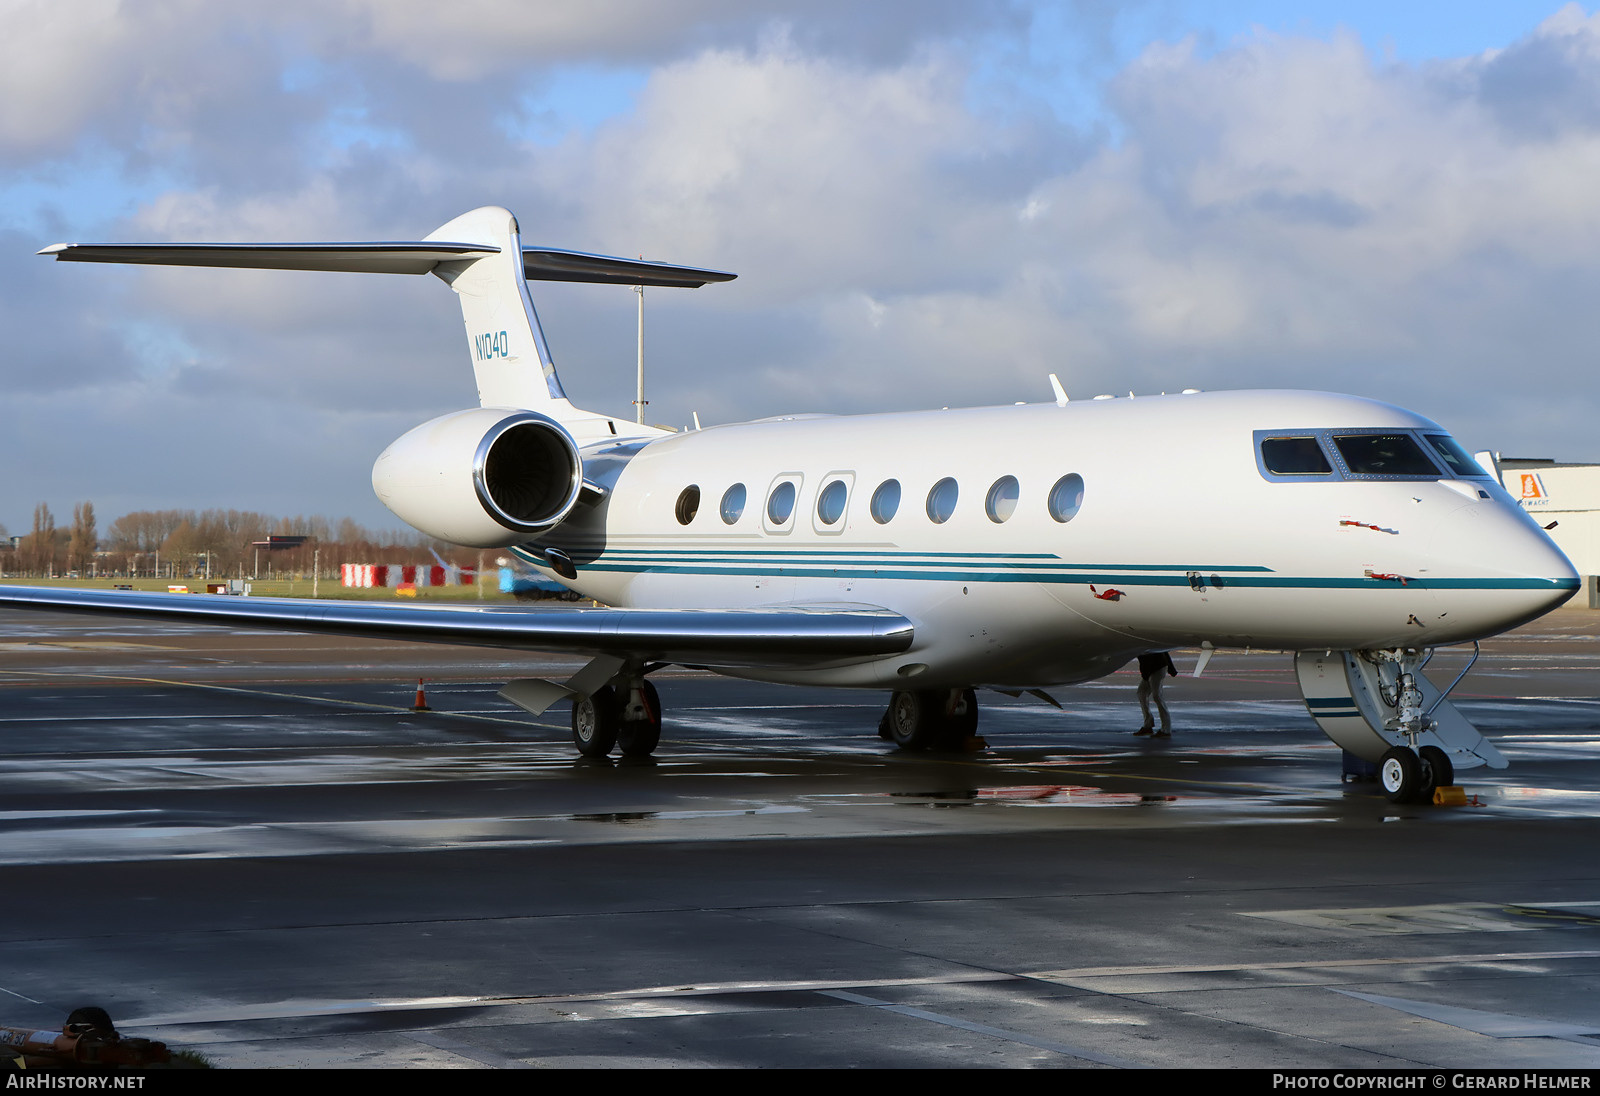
(1504, 569)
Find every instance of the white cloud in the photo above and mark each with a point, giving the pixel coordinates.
(58, 66)
(1286, 211)
(463, 40)
(824, 174)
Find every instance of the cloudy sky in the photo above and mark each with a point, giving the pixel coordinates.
(928, 202)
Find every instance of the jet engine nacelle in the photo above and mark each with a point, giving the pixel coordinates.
(487, 478)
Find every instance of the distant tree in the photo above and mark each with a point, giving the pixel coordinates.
(223, 541)
(83, 542)
(140, 531)
(182, 546)
(39, 549)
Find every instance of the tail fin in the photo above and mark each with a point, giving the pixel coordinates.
(480, 256)
(509, 354)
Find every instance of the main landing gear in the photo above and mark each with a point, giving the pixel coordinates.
(931, 719)
(629, 718)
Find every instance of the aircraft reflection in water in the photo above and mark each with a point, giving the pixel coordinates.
(930, 553)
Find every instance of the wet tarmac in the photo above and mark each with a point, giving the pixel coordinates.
(247, 844)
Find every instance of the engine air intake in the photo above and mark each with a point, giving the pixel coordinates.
(488, 477)
(527, 473)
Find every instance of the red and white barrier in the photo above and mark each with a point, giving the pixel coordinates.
(368, 575)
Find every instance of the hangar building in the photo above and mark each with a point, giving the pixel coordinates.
(1567, 494)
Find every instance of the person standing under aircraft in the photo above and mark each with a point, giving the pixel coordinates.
(1152, 668)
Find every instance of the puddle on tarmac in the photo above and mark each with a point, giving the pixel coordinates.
(628, 817)
(1031, 795)
(1580, 802)
(31, 816)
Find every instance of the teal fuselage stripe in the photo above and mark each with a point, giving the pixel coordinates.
(616, 559)
(1255, 581)
(1040, 567)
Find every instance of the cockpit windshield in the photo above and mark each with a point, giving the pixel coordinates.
(1330, 454)
(1384, 455)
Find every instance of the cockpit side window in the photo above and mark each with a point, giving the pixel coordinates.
(1460, 462)
(1304, 455)
(1295, 457)
(1384, 455)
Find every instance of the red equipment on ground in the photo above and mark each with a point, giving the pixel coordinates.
(87, 1041)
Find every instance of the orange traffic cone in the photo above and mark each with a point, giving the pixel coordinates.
(422, 701)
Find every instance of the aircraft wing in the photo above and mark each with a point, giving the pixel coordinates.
(786, 635)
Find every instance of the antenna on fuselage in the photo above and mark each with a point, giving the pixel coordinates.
(1061, 393)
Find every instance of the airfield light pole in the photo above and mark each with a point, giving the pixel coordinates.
(639, 400)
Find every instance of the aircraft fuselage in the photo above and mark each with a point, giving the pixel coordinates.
(1179, 535)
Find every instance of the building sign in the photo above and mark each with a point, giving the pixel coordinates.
(1533, 492)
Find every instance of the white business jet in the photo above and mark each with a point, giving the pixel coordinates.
(928, 553)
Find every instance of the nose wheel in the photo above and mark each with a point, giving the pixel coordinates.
(1410, 776)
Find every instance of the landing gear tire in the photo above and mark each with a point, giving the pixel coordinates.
(959, 728)
(922, 721)
(1441, 773)
(639, 737)
(595, 722)
(1400, 773)
(916, 719)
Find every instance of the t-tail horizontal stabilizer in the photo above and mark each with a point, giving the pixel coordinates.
(478, 254)
(539, 264)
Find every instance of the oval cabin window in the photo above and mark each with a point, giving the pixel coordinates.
(733, 504)
(885, 501)
(1066, 497)
(830, 502)
(780, 504)
(688, 504)
(942, 500)
(1002, 500)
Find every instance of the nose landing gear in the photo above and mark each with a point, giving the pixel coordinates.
(1378, 705)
